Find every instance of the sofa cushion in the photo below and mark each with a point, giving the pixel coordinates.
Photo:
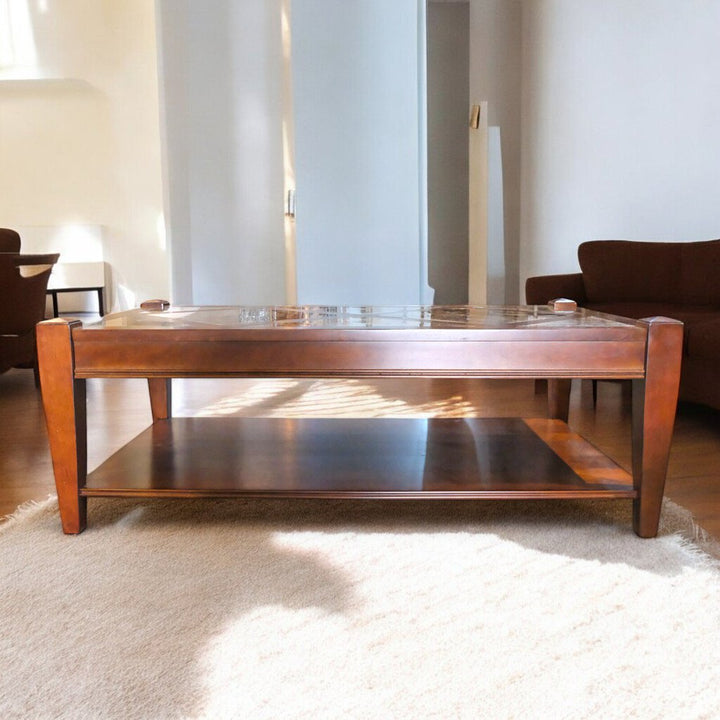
(626, 270)
(637, 310)
(699, 381)
(687, 314)
(702, 339)
(635, 271)
(699, 272)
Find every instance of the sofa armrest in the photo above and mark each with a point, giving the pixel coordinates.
(539, 290)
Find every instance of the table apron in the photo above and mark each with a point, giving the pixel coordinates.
(600, 359)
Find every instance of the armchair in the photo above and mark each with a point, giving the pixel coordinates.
(9, 241)
(23, 285)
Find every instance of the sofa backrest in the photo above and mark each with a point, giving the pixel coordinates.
(635, 271)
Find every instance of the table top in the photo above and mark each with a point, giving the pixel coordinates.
(345, 341)
(350, 318)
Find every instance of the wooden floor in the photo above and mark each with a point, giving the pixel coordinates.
(119, 409)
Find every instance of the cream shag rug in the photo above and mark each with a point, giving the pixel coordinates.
(320, 609)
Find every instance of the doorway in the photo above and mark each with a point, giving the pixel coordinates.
(448, 87)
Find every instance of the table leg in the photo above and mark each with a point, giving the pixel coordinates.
(653, 417)
(160, 398)
(64, 402)
(559, 398)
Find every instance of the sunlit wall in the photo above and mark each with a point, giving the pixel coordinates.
(79, 132)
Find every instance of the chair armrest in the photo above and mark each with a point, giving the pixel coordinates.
(29, 265)
(539, 290)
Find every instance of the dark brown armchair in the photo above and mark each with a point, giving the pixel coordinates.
(9, 240)
(23, 287)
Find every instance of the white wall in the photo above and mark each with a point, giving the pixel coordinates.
(79, 138)
(221, 74)
(620, 135)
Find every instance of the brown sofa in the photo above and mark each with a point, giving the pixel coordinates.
(644, 279)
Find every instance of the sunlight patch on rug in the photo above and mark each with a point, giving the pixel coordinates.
(470, 625)
(302, 609)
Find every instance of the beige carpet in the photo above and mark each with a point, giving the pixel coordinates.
(316, 609)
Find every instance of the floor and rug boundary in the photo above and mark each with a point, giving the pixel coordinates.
(675, 520)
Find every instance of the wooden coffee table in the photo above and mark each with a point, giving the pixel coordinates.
(361, 458)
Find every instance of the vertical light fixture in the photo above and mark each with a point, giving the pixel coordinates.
(288, 132)
(478, 205)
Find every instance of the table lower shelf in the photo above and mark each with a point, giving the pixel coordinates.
(359, 458)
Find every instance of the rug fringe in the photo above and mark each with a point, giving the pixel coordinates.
(28, 510)
(682, 524)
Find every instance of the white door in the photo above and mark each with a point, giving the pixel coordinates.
(359, 123)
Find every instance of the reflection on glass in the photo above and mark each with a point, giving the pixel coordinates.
(348, 317)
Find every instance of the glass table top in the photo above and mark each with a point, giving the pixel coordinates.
(328, 317)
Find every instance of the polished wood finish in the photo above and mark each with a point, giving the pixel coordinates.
(160, 398)
(360, 458)
(361, 342)
(64, 402)
(559, 398)
(118, 410)
(654, 403)
(458, 341)
(592, 466)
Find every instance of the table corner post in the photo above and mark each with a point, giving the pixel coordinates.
(160, 397)
(654, 405)
(559, 398)
(64, 403)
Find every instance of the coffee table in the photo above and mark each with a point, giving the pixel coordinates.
(361, 458)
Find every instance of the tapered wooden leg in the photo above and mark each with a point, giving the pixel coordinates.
(66, 416)
(559, 398)
(654, 405)
(160, 398)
